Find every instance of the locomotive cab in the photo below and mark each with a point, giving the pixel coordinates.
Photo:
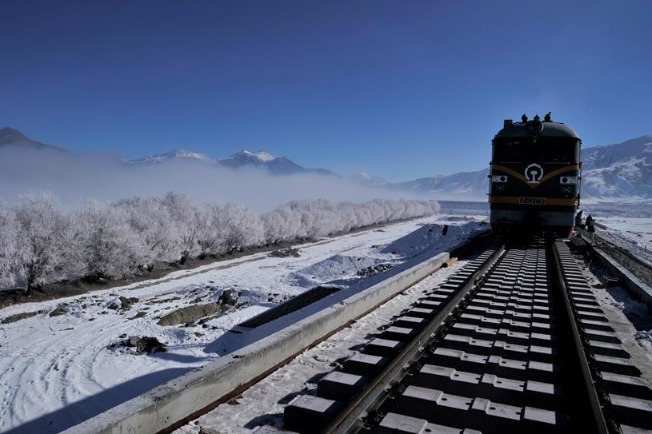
(534, 178)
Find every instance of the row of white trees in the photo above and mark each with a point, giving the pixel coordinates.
(42, 241)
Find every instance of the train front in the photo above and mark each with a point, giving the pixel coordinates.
(534, 178)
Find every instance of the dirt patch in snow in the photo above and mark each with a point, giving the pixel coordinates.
(19, 316)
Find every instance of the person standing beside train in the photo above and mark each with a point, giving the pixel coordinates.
(590, 227)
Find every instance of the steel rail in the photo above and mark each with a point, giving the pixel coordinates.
(350, 417)
(589, 383)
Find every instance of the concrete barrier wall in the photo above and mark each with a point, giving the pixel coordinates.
(635, 286)
(175, 400)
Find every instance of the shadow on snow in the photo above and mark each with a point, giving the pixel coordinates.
(78, 412)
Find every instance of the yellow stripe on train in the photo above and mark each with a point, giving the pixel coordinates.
(545, 178)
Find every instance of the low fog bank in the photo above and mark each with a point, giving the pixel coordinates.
(76, 179)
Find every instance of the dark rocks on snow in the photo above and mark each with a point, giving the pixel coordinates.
(369, 271)
(145, 344)
(122, 303)
(284, 253)
(228, 296)
(59, 310)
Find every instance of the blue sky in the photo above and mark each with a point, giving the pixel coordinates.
(402, 89)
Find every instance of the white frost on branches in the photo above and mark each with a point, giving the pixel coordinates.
(8, 247)
(42, 242)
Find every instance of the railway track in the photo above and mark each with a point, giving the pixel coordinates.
(513, 342)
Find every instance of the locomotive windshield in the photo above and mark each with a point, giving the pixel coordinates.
(509, 151)
(567, 152)
(555, 150)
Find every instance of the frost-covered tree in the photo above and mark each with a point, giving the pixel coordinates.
(347, 216)
(186, 221)
(321, 217)
(8, 247)
(241, 227)
(43, 248)
(316, 218)
(311, 215)
(153, 228)
(229, 227)
(109, 245)
(281, 224)
(211, 234)
(41, 243)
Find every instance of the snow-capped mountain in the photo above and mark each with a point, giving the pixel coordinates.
(618, 171)
(463, 186)
(263, 159)
(176, 155)
(614, 173)
(260, 160)
(260, 155)
(272, 163)
(369, 179)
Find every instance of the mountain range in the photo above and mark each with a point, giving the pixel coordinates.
(261, 160)
(612, 173)
(11, 138)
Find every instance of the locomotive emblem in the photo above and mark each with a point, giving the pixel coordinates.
(533, 173)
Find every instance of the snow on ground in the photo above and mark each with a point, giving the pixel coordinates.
(65, 360)
(66, 363)
(632, 233)
(626, 225)
(264, 403)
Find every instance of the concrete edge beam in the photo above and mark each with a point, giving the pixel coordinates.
(636, 286)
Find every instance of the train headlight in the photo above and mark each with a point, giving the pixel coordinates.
(498, 178)
(568, 180)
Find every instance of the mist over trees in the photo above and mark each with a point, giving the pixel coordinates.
(42, 241)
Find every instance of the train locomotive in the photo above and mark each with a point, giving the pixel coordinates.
(534, 178)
